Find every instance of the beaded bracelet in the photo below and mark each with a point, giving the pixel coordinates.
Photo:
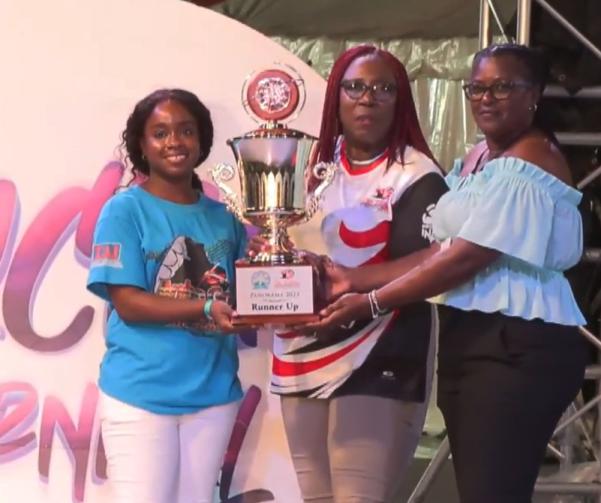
(207, 309)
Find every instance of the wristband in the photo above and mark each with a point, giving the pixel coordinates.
(207, 309)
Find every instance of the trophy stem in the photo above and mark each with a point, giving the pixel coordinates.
(280, 251)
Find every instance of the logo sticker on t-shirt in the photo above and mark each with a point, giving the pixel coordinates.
(380, 199)
(107, 254)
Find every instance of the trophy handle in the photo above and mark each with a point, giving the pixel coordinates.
(323, 171)
(222, 173)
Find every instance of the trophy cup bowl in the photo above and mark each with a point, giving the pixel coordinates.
(275, 166)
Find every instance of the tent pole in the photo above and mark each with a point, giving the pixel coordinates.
(523, 28)
(484, 39)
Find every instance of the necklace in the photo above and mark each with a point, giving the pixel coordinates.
(367, 161)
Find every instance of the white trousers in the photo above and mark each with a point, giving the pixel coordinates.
(153, 458)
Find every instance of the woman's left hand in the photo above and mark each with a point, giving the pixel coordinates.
(257, 244)
(349, 307)
(223, 315)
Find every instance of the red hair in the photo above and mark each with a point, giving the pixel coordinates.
(405, 129)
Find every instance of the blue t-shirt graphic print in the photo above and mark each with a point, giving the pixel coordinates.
(186, 272)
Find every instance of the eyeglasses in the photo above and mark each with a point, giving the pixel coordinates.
(499, 90)
(356, 89)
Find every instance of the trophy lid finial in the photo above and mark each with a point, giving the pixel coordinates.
(272, 95)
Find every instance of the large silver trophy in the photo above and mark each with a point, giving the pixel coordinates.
(280, 185)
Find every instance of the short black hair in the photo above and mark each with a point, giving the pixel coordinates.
(536, 71)
(534, 62)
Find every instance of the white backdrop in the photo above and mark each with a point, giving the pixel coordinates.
(71, 72)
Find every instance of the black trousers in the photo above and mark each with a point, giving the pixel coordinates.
(503, 384)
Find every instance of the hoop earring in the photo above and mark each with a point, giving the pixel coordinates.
(533, 108)
(143, 157)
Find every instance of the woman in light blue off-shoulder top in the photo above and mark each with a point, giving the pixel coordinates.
(510, 358)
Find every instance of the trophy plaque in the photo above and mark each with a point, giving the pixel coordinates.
(275, 165)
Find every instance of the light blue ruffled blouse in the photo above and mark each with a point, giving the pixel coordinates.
(517, 208)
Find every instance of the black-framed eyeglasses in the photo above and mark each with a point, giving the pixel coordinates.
(500, 90)
(381, 91)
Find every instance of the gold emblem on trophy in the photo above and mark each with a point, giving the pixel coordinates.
(275, 165)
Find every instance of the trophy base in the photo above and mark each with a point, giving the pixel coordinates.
(264, 319)
(274, 294)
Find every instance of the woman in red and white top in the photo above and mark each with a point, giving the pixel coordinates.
(354, 400)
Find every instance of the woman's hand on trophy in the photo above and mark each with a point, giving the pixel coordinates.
(342, 312)
(335, 279)
(222, 316)
(258, 244)
(313, 258)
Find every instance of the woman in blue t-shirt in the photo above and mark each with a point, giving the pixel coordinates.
(163, 258)
(510, 357)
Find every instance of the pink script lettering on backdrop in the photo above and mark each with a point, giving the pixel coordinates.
(38, 248)
(74, 209)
